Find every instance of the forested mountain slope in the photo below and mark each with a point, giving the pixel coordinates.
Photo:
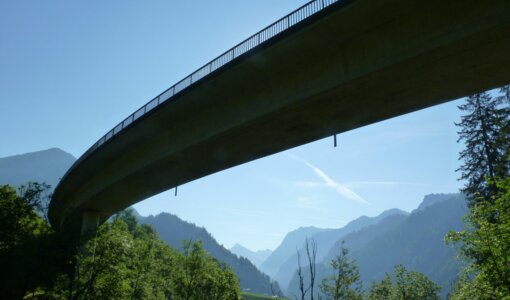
(173, 231)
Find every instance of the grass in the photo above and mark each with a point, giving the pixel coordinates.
(249, 296)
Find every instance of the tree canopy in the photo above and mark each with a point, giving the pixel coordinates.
(122, 260)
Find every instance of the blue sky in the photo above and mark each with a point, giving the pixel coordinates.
(71, 70)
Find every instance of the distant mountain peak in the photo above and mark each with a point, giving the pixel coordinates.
(53, 149)
(366, 220)
(239, 246)
(39, 166)
(256, 257)
(50, 151)
(307, 230)
(393, 211)
(432, 199)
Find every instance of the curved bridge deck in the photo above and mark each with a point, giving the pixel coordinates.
(327, 68)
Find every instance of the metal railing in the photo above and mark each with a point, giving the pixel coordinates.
(260, 37)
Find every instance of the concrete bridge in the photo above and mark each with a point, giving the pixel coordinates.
(326, 68)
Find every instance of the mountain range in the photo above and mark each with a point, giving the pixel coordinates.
(415, 241)
(325, 239)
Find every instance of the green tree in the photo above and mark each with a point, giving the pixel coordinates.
(504, 137)
(486, 245)
(125, 260)
(474, 285)
(128, 217)
(408, 286)
(203, 277)
(122, 260)
(19, 221)
(484, 155)
(102, 266)
(142, 265)
(414, 285)
(24, 263)
(345, 282)
(382, 290)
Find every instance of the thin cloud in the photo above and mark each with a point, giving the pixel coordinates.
(339, 188)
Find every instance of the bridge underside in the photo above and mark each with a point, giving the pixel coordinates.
(358, 64)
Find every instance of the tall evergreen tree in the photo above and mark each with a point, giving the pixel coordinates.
(504, 138)
(484, 155)
(484, 242)
(504, 92)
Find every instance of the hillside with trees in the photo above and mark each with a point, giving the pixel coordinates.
(173, 231)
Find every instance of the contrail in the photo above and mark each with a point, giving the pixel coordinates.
(340, 189)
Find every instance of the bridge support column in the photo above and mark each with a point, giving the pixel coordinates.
(89, 221)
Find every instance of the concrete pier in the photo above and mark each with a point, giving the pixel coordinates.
(89, 221)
